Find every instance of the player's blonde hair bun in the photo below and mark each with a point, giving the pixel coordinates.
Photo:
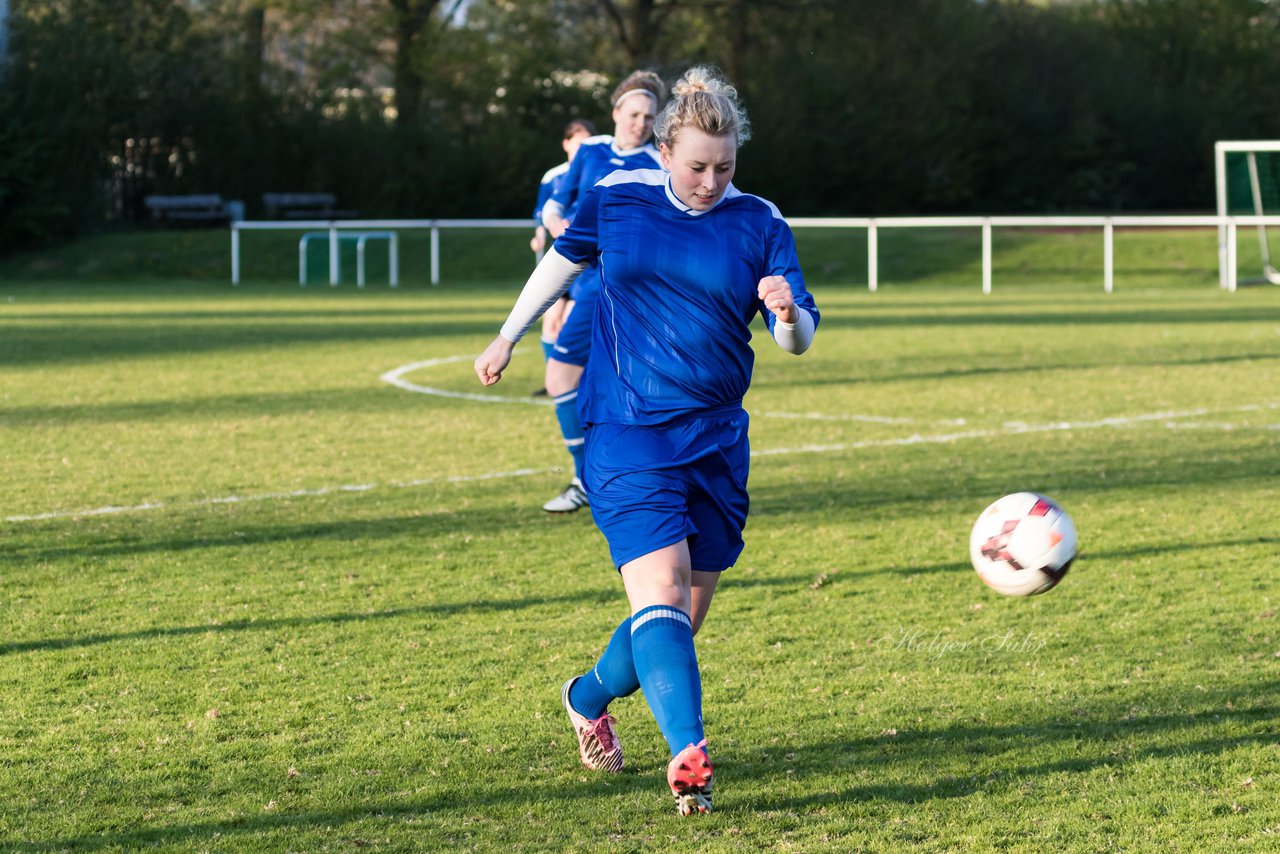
(702, 99)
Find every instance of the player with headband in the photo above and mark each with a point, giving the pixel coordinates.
(635, 106)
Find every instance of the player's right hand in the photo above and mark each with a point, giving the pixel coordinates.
(493, 361)
(775, 293)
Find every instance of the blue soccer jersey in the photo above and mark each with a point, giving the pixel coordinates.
(597, 157)
(551, 181)
(678, 294)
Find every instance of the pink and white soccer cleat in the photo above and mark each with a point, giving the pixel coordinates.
(598, 744)
(689, 774)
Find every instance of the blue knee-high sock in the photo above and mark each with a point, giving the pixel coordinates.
(662, 646)
(548, 349)
(613, 676)
(571, 428)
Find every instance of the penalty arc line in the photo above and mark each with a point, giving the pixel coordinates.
(396, 378)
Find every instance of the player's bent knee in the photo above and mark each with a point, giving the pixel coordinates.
(561, 377)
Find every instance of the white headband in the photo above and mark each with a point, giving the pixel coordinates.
(627, 94)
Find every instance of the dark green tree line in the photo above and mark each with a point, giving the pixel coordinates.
(449, 108)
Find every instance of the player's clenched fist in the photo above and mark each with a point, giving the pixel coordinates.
(494, 360)
(775, 293)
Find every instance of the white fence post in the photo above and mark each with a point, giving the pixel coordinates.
(873, 259)
(360, 244)
(335, 265)
(435, 255)
(986, 256)
(235, 255)
(1108, 255)
(1231, 255)
(394, 260)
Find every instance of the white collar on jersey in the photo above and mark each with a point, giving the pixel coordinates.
(729, 192)
(627, 152)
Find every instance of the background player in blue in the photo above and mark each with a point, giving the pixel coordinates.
(687, 262)
(635, 105)
(574, 133)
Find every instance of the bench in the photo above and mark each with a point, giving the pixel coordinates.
(207, 208)
(303, 206)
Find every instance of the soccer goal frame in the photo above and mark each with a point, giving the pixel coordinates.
(1251, 149)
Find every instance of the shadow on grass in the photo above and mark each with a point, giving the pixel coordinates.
(337, 313)
(375, 398)
(1136, 467)
(77, 342)
(415, 527)
(836, 579)
(1105, 737)
(435, 811)
(412, 528)
(1098, 738)
(603, 596)
(69, 338)
(1006, 369)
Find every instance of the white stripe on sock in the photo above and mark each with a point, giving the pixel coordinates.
(660, 614)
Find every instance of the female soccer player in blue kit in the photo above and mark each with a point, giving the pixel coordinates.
(687, 261)
(553, 179)
(635, 106)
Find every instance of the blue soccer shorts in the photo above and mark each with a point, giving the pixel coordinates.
(653, 486)
(573, 343)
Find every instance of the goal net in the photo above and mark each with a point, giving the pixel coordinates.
(1247, 174)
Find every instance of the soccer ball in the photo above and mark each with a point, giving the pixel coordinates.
(1023, 544)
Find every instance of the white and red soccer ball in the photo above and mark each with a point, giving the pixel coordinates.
(1023, 544)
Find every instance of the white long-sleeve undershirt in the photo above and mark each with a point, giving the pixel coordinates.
(795, 337)
(548, 282)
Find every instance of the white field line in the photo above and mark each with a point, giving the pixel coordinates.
(396, 378)
(277, 496)
(1223, 426)
(393, 377)
(866, 419)
(1014, 428)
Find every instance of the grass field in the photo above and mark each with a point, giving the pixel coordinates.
(256, 597)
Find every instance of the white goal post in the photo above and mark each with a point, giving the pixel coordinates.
(1250, 149)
